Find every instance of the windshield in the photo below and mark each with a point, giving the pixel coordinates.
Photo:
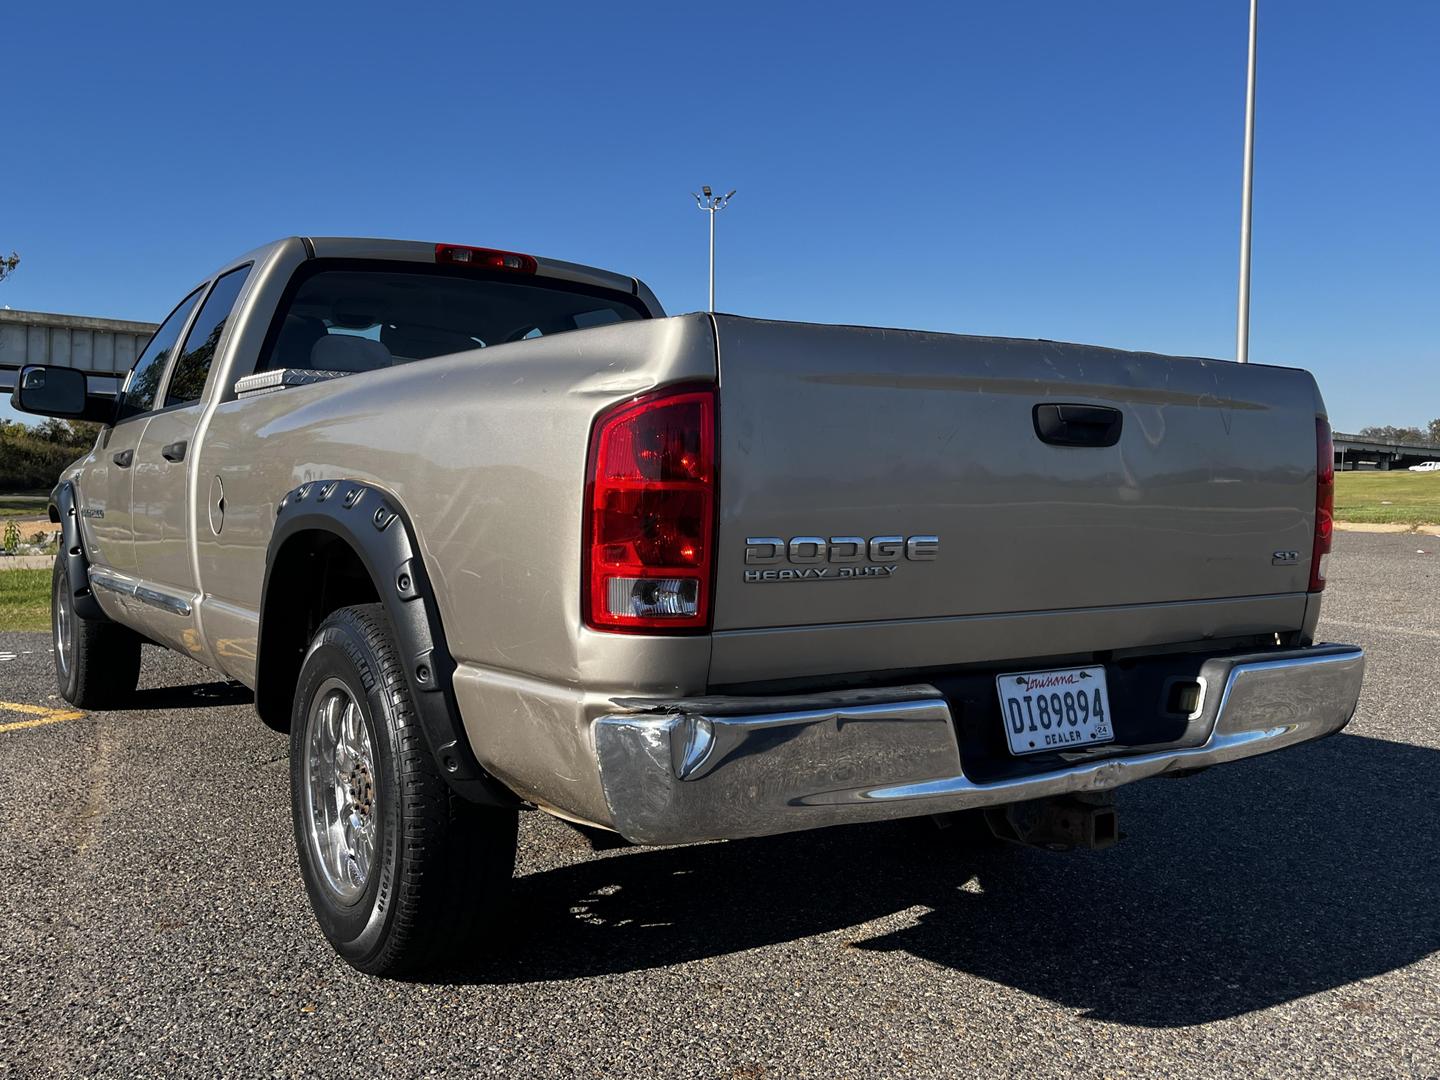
(357, 317)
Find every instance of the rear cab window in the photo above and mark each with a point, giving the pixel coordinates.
(353, 315)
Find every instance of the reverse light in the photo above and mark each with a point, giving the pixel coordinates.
(487, 258)
(1324, 502)
(650, 513)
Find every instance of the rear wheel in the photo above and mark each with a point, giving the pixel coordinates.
(397, 867)
(97, 662)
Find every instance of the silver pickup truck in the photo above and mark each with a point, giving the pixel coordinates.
(488, 532)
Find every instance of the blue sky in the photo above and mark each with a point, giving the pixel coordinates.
(1040, 169)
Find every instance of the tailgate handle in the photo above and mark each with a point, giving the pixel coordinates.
(1078, 425)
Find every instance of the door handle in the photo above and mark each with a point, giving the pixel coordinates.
(123, 458)
(174, 451)
(1078, 425)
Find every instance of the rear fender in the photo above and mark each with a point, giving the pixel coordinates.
(375, 526)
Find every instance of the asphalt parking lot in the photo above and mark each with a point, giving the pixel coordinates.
(1274, 917)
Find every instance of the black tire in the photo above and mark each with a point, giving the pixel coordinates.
(437, 866)
(97, 662)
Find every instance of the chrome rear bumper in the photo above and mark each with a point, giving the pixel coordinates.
(711, 768)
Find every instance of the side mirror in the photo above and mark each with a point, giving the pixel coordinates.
(59, 391)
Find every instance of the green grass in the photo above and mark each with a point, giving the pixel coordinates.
(1388, 498)
(25, 599)
(22, 506)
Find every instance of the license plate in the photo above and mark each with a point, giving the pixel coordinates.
(1055, 710)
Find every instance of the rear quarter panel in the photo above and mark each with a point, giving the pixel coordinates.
(486, 452)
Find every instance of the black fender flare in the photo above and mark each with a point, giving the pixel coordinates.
(72, 552)
(377, 528)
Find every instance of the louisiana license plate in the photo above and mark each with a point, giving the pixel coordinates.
(1055, 710)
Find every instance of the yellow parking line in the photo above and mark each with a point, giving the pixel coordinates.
(43, 716)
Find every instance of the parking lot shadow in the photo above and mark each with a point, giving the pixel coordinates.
(204, 695)
(1242, 888)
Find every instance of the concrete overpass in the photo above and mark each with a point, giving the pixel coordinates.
(1351, 451)
(102, 346)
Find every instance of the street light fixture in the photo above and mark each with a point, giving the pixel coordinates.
(712, 204)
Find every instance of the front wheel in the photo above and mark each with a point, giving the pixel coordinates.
(97, 662)
(397, 866)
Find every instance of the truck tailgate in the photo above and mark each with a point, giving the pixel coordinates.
(841, 432)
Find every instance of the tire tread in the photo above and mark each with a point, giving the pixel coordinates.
(107, 658)
(455, 856)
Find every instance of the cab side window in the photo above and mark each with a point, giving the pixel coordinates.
(144, 381)
(187, 382)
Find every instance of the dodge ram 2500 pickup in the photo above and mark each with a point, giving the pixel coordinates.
(488, 532)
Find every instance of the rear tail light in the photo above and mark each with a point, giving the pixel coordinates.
(1324, 502)
(650, 513)
(487, 258)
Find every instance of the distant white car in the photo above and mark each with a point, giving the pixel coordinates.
(1426, 466)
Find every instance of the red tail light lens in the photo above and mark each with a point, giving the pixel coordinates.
(487, 258)
(651, 513)
(1324, 502)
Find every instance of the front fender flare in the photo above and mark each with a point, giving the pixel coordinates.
(72, 552)
(376, 527)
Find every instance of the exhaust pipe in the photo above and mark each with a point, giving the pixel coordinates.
(1062, 823)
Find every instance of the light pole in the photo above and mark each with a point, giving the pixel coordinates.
(1242, 318)
(712, 204)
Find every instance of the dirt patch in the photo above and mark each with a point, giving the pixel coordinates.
(1386, 527)
(29, 526)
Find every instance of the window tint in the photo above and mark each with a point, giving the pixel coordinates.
(188, 381)
(144, 381)
(349, 316)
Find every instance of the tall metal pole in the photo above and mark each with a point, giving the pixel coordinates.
(712, 204)
(1242, 320)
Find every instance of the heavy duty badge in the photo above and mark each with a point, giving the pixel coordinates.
(835, 558)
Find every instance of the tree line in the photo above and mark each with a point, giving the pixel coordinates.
(32, 458)
(1389, 433)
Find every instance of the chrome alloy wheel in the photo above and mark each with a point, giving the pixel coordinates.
(341, 792)
(64, 627)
